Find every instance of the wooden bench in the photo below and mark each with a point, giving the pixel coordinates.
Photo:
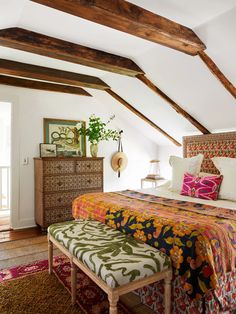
(117, 263)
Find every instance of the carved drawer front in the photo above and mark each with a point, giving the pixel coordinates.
(59, 199)
(90, 181)
(57, 215)
(73, 182)
(56, 183)
(89, 166)
(58, 166)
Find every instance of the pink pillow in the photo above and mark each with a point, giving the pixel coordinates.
(201, 187)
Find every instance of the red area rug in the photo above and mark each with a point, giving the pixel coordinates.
(90, 298)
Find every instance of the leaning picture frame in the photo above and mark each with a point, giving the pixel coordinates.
(47, 150)
(64, 133)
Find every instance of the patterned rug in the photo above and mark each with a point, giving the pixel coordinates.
(30, 289)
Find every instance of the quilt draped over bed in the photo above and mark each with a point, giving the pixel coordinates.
(200, 239)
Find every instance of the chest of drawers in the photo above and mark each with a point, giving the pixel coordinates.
(58, 181)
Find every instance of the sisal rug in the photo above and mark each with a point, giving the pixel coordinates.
(30, 289)
(22, 252)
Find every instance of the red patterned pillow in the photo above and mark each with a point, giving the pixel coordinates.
(201, 187)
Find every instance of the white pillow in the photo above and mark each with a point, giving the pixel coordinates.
(227, 168)
(182, 165)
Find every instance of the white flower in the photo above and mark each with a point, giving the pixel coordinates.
(78, 125)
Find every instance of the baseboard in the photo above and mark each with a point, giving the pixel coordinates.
(24, 223)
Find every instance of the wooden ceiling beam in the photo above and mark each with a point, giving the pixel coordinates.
(48, 74)
(217, 73)
(173, 104)
(141, 116)
(52, 47)
(22, 39)
(18, 82)
(132, 19)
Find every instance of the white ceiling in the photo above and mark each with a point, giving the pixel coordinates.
(184, 78)
(190, 13)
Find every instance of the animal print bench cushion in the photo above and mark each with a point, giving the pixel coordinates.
(114, 257)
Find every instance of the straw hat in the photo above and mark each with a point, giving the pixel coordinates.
(119, 161)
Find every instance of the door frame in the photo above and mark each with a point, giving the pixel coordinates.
(14, 159)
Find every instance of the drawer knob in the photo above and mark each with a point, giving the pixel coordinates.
(89, 166)
(89, 181)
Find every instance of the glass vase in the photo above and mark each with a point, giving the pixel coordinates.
(94, 150)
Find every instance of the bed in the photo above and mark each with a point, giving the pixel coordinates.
(200, 236)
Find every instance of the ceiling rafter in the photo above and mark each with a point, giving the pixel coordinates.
(132, 19)
(173, 104)
(50, 87)
(26, 40)
(135, 20)
(48, 74)
(141, 115)
(217, 73)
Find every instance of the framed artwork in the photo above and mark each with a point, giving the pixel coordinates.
(48, 150)
(64, 133)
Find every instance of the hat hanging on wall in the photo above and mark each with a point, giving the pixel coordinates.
(119, 160)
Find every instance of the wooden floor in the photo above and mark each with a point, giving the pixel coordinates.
(12, 235)
(34, 247)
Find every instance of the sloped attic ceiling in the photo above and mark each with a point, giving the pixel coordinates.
(182, 77)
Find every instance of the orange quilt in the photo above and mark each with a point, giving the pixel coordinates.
(200, 239)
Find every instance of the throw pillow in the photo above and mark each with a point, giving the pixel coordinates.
(182, 165)
(202, 187)
(227, 167)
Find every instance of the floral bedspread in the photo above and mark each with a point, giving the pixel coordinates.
(200, 239)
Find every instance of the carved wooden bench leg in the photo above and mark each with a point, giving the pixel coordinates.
(50, 256)
(167, 296)
(113, 300)
(73, 282)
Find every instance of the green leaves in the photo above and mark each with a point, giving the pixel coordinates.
(97, 132)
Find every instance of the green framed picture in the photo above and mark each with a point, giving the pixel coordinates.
(64, 133)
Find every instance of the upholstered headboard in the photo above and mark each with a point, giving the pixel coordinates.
(210, 145)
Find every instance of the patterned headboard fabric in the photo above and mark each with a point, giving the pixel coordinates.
(210, 145)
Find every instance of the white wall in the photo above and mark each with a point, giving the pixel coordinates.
(164, 153)
(29, 109)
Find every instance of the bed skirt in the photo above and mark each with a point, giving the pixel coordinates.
(218, 301)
